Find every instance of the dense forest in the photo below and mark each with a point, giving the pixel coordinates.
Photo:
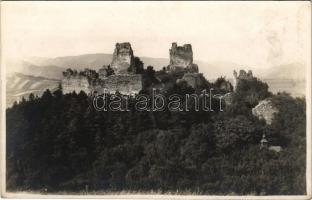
(60, 142)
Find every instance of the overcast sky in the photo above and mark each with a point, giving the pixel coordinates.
(249, 33)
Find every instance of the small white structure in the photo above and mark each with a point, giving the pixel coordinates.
(275, 148)
(264, 143)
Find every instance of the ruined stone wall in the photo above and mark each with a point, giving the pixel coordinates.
(76, 83)
(122, 58)
(122, 75)
(125, 84)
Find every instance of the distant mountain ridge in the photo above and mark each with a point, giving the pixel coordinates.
(92, 61)
(211, 70)
(28, 68)
(35, 74)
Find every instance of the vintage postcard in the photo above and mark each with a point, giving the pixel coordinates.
(156, 100)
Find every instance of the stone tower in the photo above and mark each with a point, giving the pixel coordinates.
(181, 58)
(242, 75)
(123, 59)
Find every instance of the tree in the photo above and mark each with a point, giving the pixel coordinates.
(236, 133)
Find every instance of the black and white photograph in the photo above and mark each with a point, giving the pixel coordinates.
(156, 99)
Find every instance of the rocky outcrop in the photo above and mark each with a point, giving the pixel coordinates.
(181, 59)
(265, 110)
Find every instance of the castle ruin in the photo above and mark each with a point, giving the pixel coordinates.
(122, 62)
(125, 74)
(265, 109)
(181, 59)
(243, 75)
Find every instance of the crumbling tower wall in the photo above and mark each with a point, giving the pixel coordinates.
(181, 58)
(123, 59)
(243, 75)
(124, 75)
(76, 83)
